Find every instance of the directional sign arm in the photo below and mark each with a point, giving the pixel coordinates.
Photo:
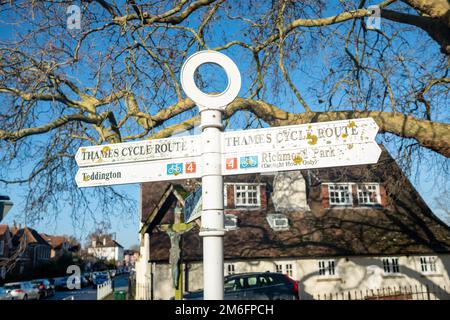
(148, 171)
(147, 150)
(319, 145)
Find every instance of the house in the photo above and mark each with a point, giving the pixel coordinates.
(29, 250)
(105, 248)
(129, 258)
(333, 230)
(60, 244)
(5, 248)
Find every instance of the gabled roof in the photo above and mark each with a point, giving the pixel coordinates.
(30, 235)
(54, 241)
(406, 225)
(109, 243)
(57, 242)
(156, 192)
(157, 201)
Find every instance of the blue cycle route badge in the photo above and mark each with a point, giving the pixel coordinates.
(248, 162)
(174, 169)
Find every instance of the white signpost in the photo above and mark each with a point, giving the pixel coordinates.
(214, 154)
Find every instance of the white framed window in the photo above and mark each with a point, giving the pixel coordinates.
(284, 268)
(391, 266)
(369, 194)
(278, 221)
(288, 268)
(279, 268)
(247, 195)
(428, 265)
(231, 222)
(340, 194)
(327, 268)
(2, 247)
(230, 269)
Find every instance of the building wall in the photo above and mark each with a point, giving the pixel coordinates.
(118, 255)
(108, 253)
(355, 273)
(130, 259)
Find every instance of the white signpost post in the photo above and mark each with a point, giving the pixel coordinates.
(214, 154)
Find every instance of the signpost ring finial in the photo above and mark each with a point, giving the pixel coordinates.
(204, 100)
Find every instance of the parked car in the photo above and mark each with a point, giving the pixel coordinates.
(87, 276)
(96, 273)
(46, 289)
(84, 281)
(60, 283)
(4, 295)
(99, 279)
(22, 290)
(255, 286)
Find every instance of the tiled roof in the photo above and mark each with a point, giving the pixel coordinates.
(154, 192)
(108, 243)
(32, 237)
(55, 242)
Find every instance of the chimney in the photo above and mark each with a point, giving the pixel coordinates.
(93, 243)
(104, 241)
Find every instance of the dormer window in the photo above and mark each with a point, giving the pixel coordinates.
(340, 194)
(278, 222)
(369, 194)
(247, 195)
(352, 194)
(230, 222)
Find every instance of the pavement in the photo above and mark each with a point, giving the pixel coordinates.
(120, 285)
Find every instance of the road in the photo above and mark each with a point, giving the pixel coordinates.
(89, 293)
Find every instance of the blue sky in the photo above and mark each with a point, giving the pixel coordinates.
(126, 225)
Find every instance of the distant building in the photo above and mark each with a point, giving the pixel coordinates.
(22, 250)
(105, 248)
(29, 250)
(332, 230)
(60, 244)
(129, 258)
(5, 248)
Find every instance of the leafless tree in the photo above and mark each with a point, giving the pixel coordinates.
(116, 78)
